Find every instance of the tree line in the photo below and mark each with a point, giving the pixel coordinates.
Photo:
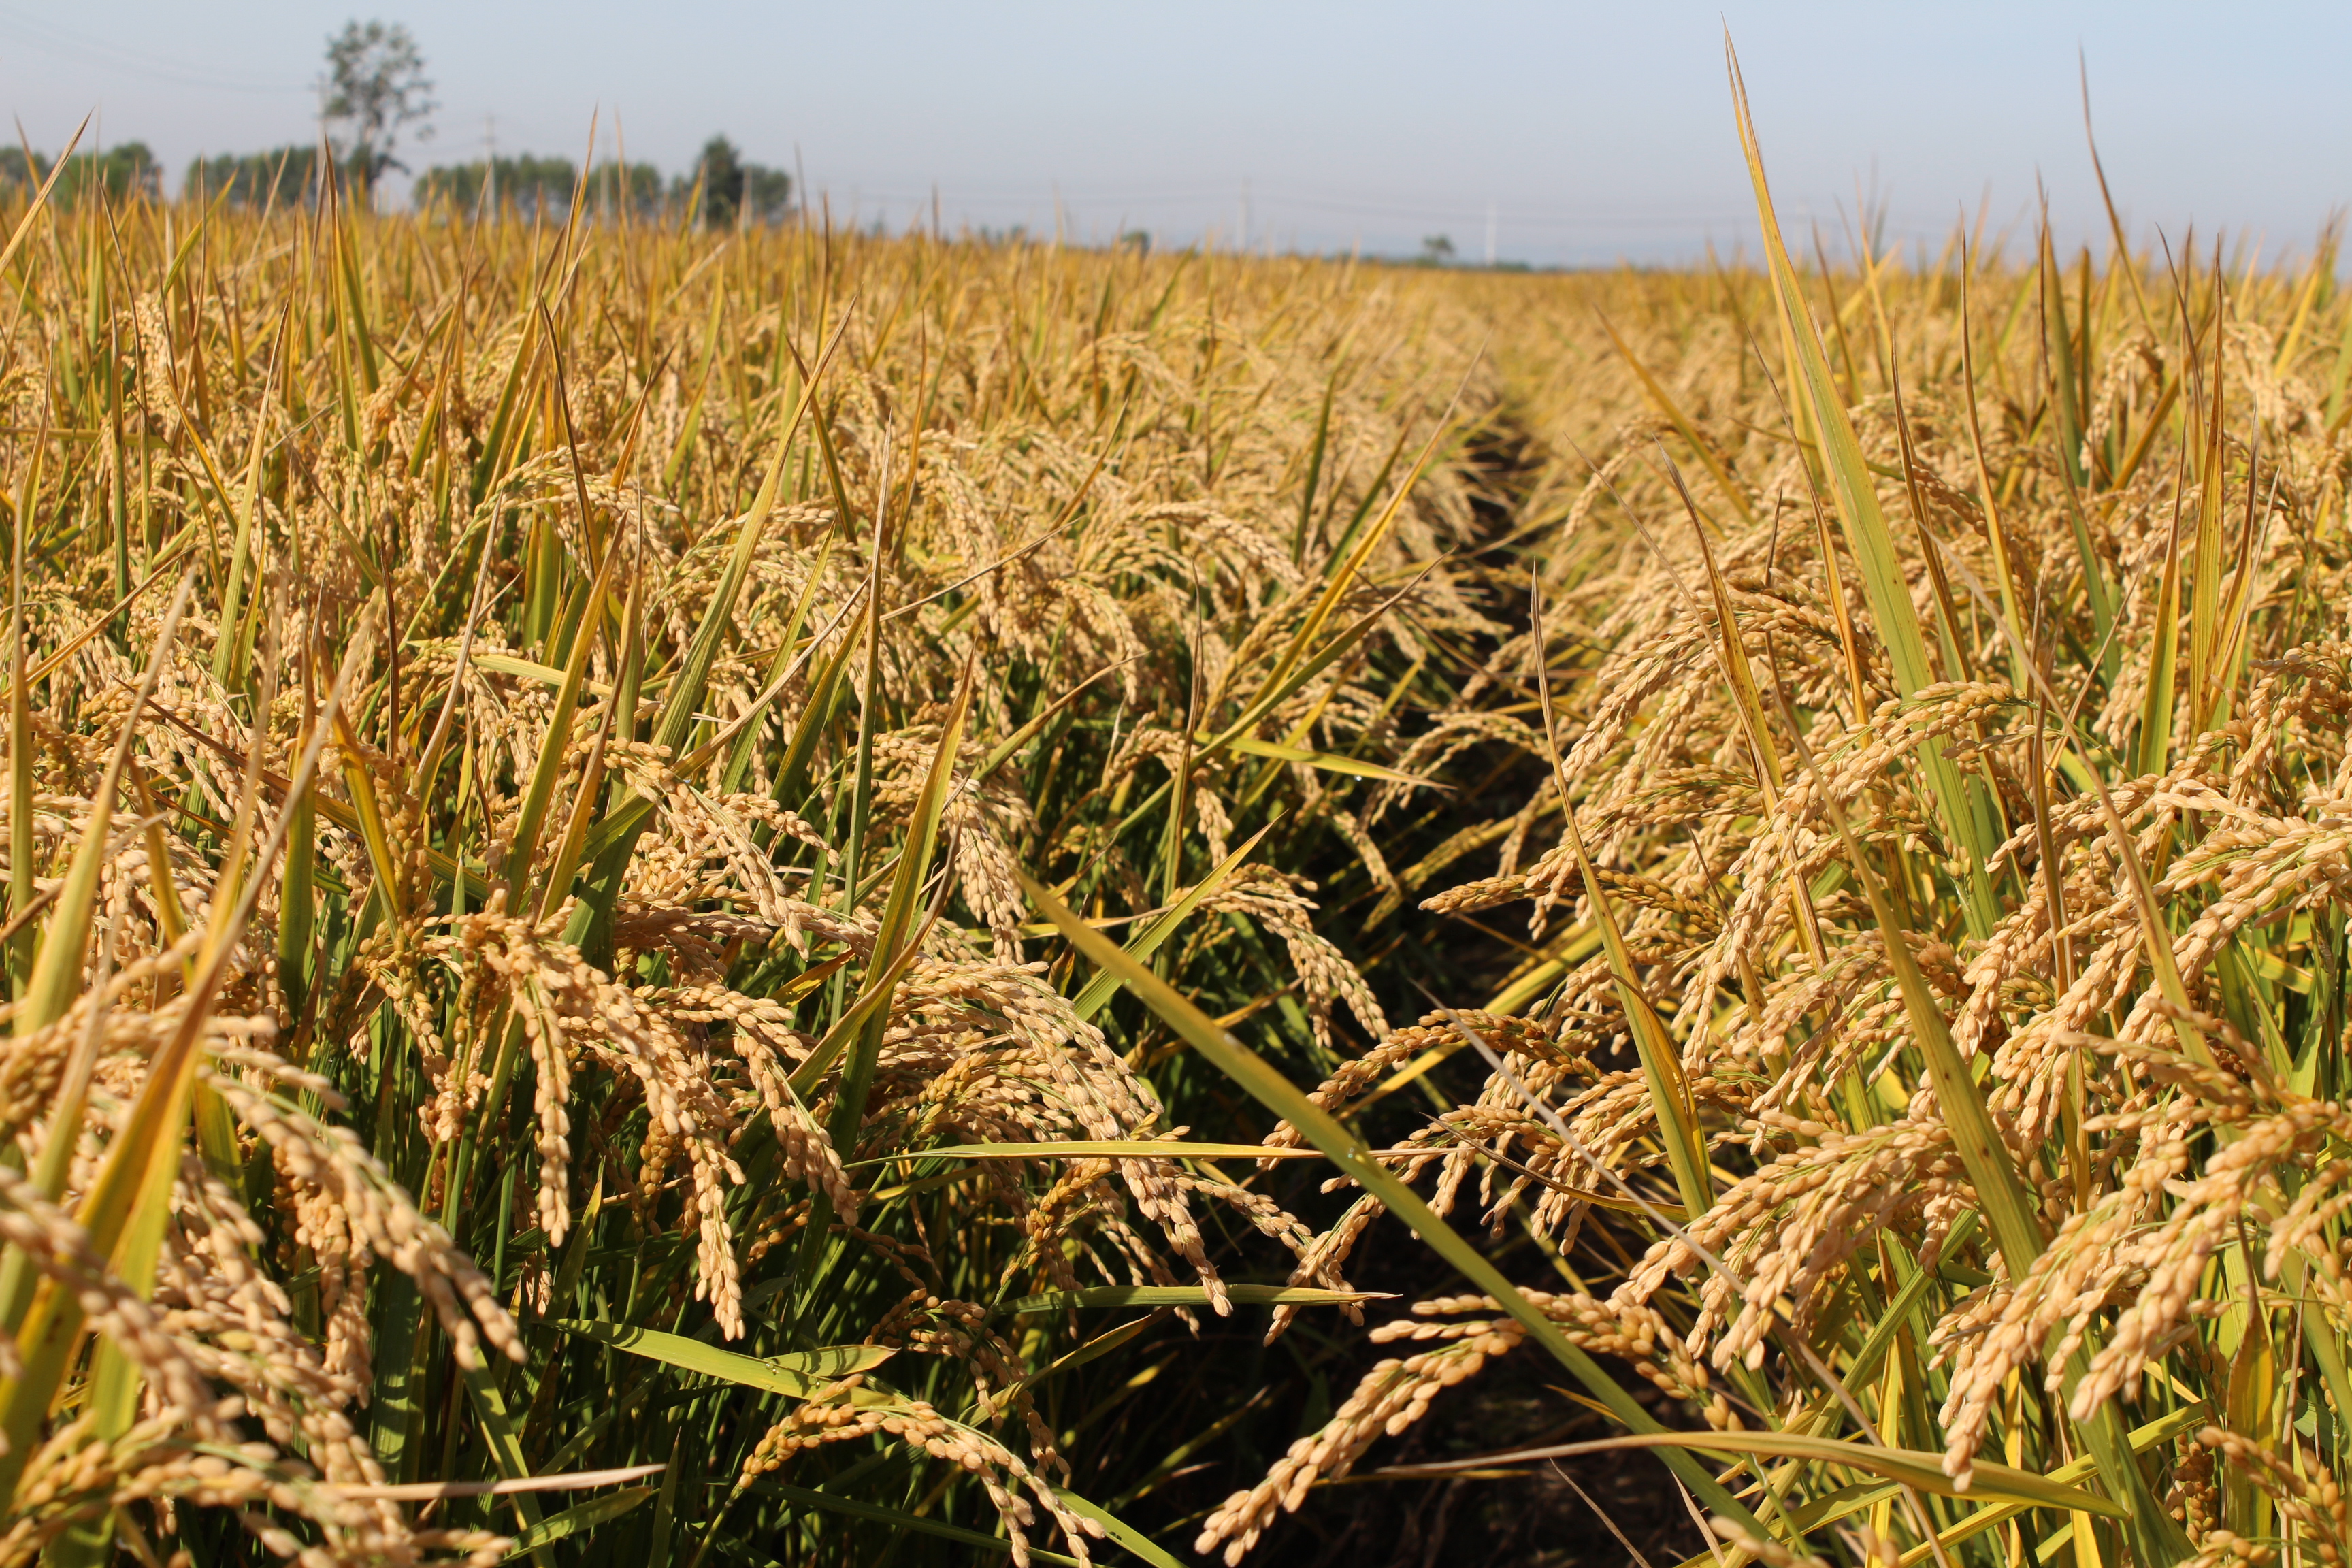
(721, 189)
(120, 171)
(375, 89)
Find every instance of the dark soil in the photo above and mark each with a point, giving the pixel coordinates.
(1533, 1518)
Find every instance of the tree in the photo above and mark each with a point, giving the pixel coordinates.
(1436, 250)
(734, 191)
(539, 187)
(720, 170)
(376, 87)
(767, 193)
(282, 175)
(116, 173)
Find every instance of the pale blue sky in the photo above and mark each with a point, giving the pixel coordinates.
(1590, 130)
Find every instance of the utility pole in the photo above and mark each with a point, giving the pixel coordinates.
(1490, 236)
(1245, 215)
(490, 163)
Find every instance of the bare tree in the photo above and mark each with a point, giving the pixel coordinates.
(375, 88)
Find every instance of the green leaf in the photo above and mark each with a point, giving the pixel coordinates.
(896, 1519)
(797, 1374)
(1286, 1099)
(1662, 1064)
(144, 1157)
(1909, 1465)
(1324, 761)
(789, 653)
(2001, 1190)
(1187, 1296)
(579, 1516)
(556, 747)
(41, 198)
(2164, 664)
(1898, 1312)
(609, 852)
(1341, 575)
(2161, 1430)
(2205, 575)
(1098, 1147)
(872, 1003)
(1856, 494)
(56, 975)
(1147, 941)
(1681, 422)
(891, 938)
(1118, 1529)
(497, 1429)
(1279, 690)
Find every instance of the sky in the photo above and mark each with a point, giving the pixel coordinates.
(1563, 135)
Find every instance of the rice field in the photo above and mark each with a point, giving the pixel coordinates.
(788, 896)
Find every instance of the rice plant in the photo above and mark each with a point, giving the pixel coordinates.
(523, 740)
(1926, 1064)
(671, 896)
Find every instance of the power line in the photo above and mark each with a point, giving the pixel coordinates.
(65, 44)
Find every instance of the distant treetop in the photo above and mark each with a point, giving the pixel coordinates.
(721, 190)
(283, 176)
(120, 171)
(732, 190)
(376, 87)
(537, 187)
